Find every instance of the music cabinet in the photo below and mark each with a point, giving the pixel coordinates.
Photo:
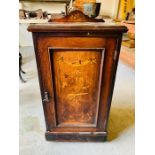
(77, 60)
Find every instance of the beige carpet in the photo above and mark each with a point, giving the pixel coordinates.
(32, 126)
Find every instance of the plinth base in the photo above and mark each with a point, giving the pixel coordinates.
(78, 136)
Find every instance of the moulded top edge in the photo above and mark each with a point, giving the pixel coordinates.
(77, 26)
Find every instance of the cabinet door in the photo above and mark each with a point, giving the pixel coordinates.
(71, 77)
(76, 76)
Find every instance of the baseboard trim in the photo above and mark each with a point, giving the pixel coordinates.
(78, 136)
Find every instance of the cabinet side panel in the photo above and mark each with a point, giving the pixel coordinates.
(107, 82)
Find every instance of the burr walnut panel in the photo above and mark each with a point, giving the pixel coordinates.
(77, 75)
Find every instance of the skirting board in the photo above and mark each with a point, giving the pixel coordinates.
(79, 136)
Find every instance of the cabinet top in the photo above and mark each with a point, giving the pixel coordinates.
(76, 21)
(77, 27)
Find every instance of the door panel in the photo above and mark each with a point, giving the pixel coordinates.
(76, 78)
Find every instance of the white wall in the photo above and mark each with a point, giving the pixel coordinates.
(108, 7)
(45, 6)
(25, 37)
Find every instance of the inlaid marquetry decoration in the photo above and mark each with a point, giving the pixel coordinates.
(78, 62)
(78, 74)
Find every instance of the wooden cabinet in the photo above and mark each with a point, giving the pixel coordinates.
(77, 64)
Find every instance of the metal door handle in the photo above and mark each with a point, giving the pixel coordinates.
(46, 97)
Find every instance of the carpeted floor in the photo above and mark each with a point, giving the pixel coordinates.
(32, 126)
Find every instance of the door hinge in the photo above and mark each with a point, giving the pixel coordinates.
(46, 97)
